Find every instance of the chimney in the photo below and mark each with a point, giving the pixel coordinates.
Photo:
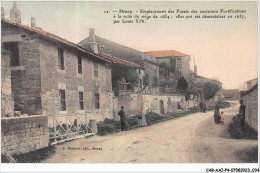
(15, 14)
(195, 70)
(2, 12)
(33, 22)
(92, 41)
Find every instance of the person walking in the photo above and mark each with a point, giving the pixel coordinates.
(123, 120)
(141, 118)
(222, 117)
(216, 114)
(242, 114)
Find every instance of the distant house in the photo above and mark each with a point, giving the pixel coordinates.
(147, 64)
(231, 94)
(251, 83)
(173, 65)
(52, 76)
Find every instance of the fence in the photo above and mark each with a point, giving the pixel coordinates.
(66, 127)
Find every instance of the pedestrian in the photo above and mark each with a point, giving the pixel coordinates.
(242, 114)
(201, 107)
(204, 108)
(216, 114)
(221, 117)
(123, 120)
(141, 118)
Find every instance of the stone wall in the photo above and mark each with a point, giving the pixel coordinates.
(26, 81)
(24, 134)
(160, 104)
(7, 102)
(250, 99)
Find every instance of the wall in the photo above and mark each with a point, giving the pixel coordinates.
(250, 99)
(24, 134)
(152, 70)
(7, 102)
(133, 102)
(26, 81)
(54, 79)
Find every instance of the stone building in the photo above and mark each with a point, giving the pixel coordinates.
(7, 102)
(52, 76)
(106, 47)
(173, 65)
(250, 99)
(251, 83)
(231, 94)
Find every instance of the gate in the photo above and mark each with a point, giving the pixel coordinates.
(66, 127)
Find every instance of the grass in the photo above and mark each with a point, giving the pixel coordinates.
(236, 132)
(36, 156)
(109, 126)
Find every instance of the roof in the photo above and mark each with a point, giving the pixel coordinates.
(119, 51)
(214, 80)
(165, 53)
(228, 95)
(251, 80)
(54, 37)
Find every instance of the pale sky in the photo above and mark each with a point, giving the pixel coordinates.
(226, 49)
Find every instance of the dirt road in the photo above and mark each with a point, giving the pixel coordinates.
(191, 139)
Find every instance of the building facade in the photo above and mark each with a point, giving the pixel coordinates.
(52, 76)
(173, 65)
(148, 64)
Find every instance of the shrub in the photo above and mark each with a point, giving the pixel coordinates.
(182, 84)
(146, 79)
(210, 90)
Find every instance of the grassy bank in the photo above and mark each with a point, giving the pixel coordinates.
(236, 132)
(36, 156)
(109, 126)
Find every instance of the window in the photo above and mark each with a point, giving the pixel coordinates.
(60, 59)
(81, 101)
(97, 106)
(166, 73)
(80, 64)
(95, 69)
(14, 50)
(139, 71)
(62, 100)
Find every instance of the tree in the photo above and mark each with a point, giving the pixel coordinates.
(155, 81)
(210, 90)
(120, 71)
(146, 79)
(182, 84)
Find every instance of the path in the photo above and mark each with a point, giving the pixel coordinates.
(191, 139)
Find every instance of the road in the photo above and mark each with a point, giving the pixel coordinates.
(191, 139)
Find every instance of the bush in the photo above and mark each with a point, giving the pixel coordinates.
(155, 81)
(146, 79)
(107, 126)
(182, 84)
(236, 132)
(36, 156)
(210, 90)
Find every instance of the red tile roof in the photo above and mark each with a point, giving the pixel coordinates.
(165, 53)
(251, 80)
(228, 95)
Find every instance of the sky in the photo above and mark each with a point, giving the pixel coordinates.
(225, 49)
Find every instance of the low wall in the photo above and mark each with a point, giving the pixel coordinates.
(155, 103)
(250, 99)
(24, 134)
